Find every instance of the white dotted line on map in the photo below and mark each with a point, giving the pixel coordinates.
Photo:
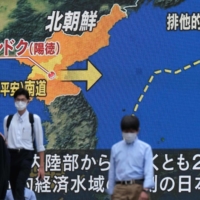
(158, 72)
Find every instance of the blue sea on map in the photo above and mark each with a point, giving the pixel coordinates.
(139, 45)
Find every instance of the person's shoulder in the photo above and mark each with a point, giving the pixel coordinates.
(6, 117)
(118, 145)
(11, 114)
(144, 144)
(36, 117)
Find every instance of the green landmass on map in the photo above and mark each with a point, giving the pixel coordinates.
(74, 124)
(27, 19)
(167, 3)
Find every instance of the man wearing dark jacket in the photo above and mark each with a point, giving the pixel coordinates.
(4, 167)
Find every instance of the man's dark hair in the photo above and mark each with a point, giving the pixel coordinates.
(21, 91)
(130, 122)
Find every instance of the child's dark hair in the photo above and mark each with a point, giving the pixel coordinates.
(130, 122)
(21, 91)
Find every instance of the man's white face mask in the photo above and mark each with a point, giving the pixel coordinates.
(20, 105)
(129, 137)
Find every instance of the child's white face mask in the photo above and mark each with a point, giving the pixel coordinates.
(129, 137)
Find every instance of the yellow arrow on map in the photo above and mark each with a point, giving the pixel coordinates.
(91, 75)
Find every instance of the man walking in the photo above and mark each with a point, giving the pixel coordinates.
(4, 167)
(20, 130)
(131, 164)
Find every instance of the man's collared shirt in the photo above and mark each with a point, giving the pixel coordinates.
(131, 162)
(19, 133)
